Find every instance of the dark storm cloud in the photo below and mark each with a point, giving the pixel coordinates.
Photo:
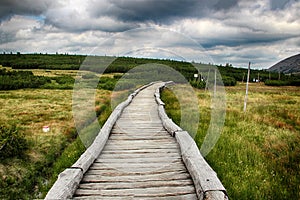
(221, 5)
(158, 11)
(9, 8)
(280, 4)
(246, 39)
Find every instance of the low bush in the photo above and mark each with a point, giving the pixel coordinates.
(12, 142)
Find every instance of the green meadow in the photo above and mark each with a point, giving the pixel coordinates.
(257, 155)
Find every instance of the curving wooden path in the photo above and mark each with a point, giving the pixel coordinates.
(142, 160)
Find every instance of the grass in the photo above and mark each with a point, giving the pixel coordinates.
(32, 174)
(258, 153)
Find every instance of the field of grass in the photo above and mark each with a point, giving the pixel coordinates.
(30, 174)
(258, 153)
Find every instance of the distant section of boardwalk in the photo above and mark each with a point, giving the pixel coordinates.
(142, 160)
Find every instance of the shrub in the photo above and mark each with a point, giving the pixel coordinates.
(228, 81)
(12, 142)
(276, 83)
(198, 84)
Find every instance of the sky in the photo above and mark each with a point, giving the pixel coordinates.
(262, 32)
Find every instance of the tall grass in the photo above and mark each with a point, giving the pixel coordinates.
(30, 174)
(258, 153)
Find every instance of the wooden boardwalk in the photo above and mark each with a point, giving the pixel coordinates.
(140, 159)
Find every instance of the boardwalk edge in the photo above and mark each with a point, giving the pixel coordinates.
(207, 184)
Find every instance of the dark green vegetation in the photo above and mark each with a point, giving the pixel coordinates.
(11, 80)
(258, 153)
(41, 61)
(230, 75)
(13, 142)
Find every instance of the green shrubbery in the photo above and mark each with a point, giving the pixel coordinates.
(292, 82)
(11, 80)
(228, 81)
(12, 142)
(198, 84)
(41, 61)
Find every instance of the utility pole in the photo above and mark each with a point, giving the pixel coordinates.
(247, 86)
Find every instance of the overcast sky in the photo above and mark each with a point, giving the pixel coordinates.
(219, 31)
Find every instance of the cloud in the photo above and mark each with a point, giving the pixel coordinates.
(9, 8)
(159, 12)
(230, 31)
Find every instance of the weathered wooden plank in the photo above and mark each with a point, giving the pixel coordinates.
(135, 179)
(139, 155)
(139, 192)
(113, 172)
(131, 168)
(178, 197)
(122, 137)
(143, 151)
(128, 164)
(139, 160)
(136, 184)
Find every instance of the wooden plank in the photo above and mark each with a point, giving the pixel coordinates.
(139, 192)
(136, 155)
(139, 160)
(113, 172)
(141, 165)
(140, 169)
(178, 197)
(122, 137)
(143, 151)
(136, 184)
(134, 179)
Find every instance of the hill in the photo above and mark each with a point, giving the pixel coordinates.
(288, 65)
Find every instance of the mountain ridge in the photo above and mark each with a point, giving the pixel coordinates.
(288, 65)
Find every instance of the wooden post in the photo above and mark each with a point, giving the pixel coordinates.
(206, 83)
(215, 85)
(247, 86)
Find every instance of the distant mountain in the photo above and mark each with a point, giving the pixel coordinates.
(288, 65)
